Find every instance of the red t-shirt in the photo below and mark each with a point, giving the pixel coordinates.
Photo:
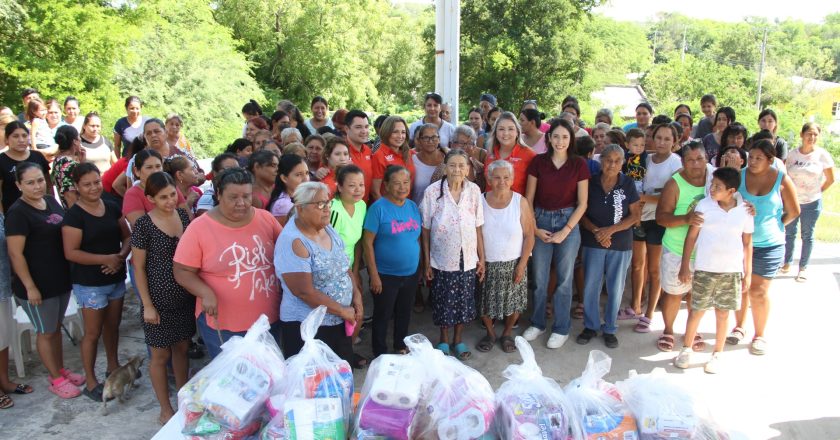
(109, 176)
(520, 158)
(329, 180)
(385, 157)
(557, 187)
(135, 200)
(362, 159)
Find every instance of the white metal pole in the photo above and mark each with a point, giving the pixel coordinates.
(440, 13)
(452, 56)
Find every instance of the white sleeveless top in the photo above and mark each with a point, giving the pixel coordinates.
(502, 231)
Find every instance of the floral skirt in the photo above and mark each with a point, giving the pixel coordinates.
(499, 297)
(453, 297)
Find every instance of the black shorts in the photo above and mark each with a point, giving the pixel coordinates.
(650, 232)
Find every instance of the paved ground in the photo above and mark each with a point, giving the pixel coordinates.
(788, 394)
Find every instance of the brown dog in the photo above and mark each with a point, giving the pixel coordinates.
(120, 382)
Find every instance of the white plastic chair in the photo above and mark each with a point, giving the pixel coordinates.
(23, 328)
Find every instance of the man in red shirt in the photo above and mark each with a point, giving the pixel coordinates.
(358, 133)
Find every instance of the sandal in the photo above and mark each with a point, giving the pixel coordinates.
(626, 313)
(485, 344)
(698, 344)
(758, 346)
(444, 347)
(802, 276)
(359, 362)
(665, 342)
(643, 326)
(21, 388)
(735, 336)
(508, 345)
(462, 352)
(6, 402)
(578, 312)
(62, 387)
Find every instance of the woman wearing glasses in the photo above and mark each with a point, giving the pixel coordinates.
(314, 270)
(465, 139)
(428, 156)
(432, 104)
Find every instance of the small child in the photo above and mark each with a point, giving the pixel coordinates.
(708, 104)
(724, 245)
(635, 160)
(585, 148)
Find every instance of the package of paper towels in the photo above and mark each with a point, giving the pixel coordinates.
(389, 397)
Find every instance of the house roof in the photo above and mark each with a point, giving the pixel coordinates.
(622, 99)
(813, 85)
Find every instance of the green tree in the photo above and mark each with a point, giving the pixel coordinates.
(522, 50)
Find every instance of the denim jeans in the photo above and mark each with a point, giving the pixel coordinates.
(598, 263)
(808, 216)
(211, 336)
(563, 255)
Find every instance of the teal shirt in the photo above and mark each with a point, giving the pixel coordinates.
(769, 229)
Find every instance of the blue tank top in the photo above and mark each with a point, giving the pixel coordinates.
(769, 229)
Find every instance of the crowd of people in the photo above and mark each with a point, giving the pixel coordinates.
(506, 213)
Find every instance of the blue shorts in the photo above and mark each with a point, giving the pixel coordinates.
(98, 297)
(766, 261)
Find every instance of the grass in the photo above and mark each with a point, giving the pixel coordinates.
(828, 225)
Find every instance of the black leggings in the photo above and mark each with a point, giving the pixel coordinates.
(335, 336)
(395, 300)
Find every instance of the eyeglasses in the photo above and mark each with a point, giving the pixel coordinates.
(322, 205)
(429, 138)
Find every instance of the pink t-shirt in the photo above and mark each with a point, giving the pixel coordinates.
(135, 200)
(238, 264)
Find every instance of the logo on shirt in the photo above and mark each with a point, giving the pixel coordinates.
(618, 196)
(251, 262)
(389, 157)
(398, 227)
(54, 219)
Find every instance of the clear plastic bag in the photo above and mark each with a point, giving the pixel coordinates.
(665, 410)
(598, 403)
(228, 396)
(456, 401)
(530, 406)
(389, 397)
(315, 398)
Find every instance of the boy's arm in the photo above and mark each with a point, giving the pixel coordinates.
(688, 249)
(748, 250)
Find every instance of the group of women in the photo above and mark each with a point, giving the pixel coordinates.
(286, 233)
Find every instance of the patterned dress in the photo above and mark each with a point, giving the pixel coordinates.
(60, 174)
(174, 304)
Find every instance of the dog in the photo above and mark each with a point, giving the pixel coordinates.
(120, 382)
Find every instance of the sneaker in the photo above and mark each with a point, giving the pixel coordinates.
(610, 340)
(684, 358)
(713, 366)
(532, 333)
(556, 340)
(585, 336)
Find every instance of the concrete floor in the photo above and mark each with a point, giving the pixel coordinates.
(788, 394)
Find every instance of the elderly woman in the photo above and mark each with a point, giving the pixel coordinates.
(465, 140)
(604, 115)
(607, 241)
(557, 187)
(174, 136)
(453, 249)
(773, 194)
(314, 146)
(314, 271)
(432, 103)
(224, 259)
(393, 150)
(599, 135)
(504, 291)
(290, 135)
(506, 145)
(392, 253)
(428, 156)
(812, 171)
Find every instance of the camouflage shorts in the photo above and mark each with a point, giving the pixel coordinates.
(720, 291)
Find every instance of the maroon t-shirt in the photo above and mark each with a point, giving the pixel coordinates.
(557, 188)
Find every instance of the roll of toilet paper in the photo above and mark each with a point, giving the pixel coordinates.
(391, 422)
(310, 419)
(397, 383)
(468, 425)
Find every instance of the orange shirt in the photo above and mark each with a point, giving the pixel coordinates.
(384, 157)
(520, 158)
(362, 159)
